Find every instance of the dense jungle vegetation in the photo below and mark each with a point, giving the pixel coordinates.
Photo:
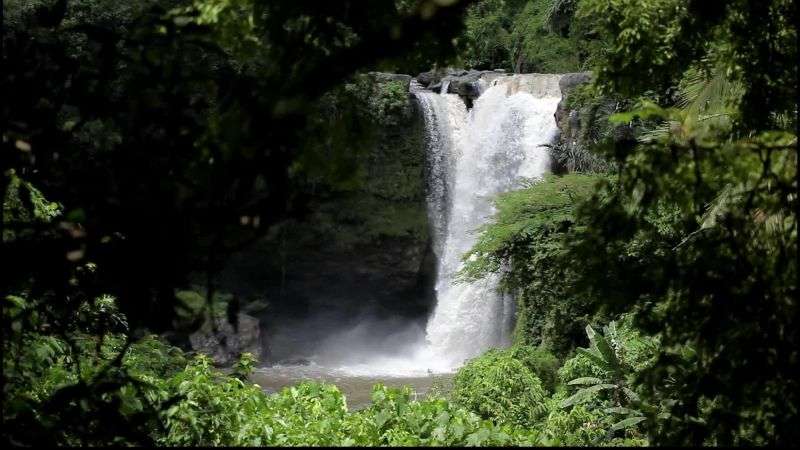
(655, 276)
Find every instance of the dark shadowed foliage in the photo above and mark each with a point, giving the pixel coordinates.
(158, 126)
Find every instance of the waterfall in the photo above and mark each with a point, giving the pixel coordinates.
(445, 86)
(473, 156)
(444, 115)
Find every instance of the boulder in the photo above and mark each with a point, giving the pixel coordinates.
(465, 84)
(226, 344)
(435, 76)
(569, 81)
(461, 82)
(430, 77)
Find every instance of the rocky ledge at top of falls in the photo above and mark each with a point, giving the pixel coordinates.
(461, 82)
(465, 82)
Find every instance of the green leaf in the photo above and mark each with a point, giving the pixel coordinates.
(16, 300)
(622, 410)
(585, 393)
(608, 354)
(585, 380)
(646, 110)
(633, 396)
(626, 423)
(596, 357)
(382, 417)
(590, 332)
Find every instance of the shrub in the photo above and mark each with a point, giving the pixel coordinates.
(394, 420)
(219, 410)
(579, 366)
(541, 362)
(152, 356)
(576, 427)
(499, 387)
(583, 426)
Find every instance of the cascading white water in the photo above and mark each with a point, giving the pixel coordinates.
(445, 116)
(473, 156)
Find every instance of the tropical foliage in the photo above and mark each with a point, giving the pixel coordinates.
(500, 387)
(525, 36)
(695, 232)
(655, 275)
(530, 229)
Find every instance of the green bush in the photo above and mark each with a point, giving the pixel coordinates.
(584, 426)
(576, 427)
(499, 387)
(394, 420)
(541, 362)
(215, 409)
(219, 410)
(579, 366)
(152, 356)
(497, 400)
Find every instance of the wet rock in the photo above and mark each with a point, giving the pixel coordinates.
(465, 85)
(570, 80)
(461, 82)
(226, 344)
(579, 129)
(433, 78)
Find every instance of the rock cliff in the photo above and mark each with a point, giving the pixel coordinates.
(359, 249)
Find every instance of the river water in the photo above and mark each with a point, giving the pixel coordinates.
(357, 389)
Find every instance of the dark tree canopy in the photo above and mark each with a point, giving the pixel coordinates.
(158, 127)
(145, 143)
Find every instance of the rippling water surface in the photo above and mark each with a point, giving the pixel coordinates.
(357, 388)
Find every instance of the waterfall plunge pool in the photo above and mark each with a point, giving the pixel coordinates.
(357, 358)
(357, 388)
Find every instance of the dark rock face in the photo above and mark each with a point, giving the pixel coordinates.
(567, 83)
(226, 344)
(569, 123)
(361, 252)
(581, 126)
